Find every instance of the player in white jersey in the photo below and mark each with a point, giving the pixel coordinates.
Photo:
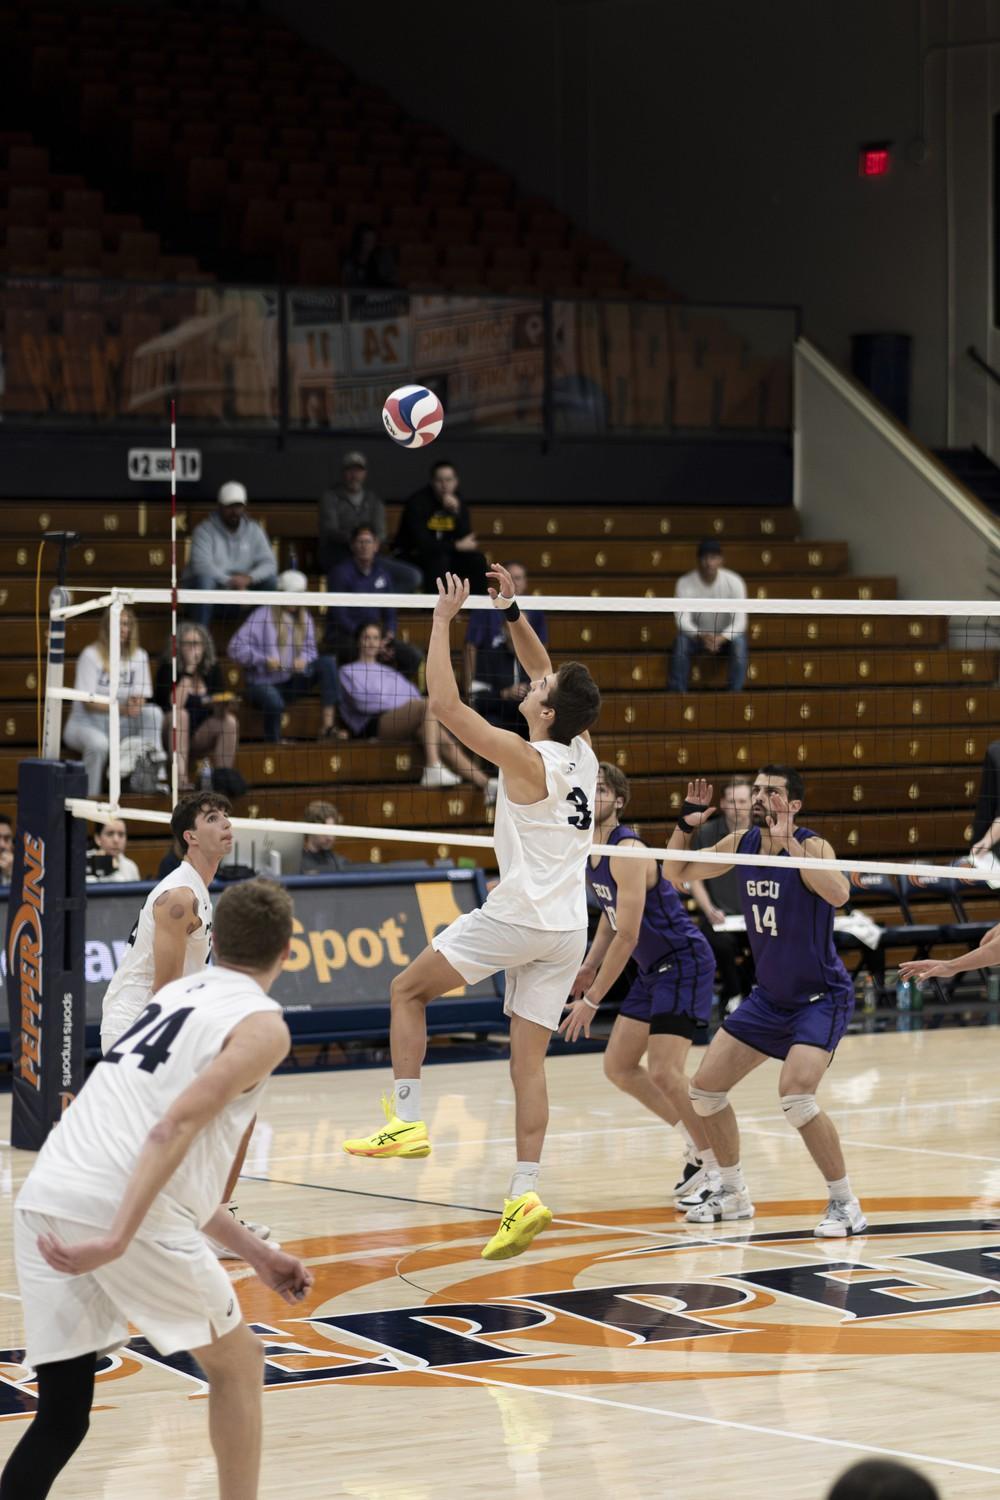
(173, 934)
(107, 1227)
(533, 925)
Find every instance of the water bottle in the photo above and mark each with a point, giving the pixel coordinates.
(293, 556)
(993, 996)
(205, 775)
(917, 1005)
(869, 1003)
(904, 999)
(274, 863)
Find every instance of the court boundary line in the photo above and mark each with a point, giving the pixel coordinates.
(679, 1416)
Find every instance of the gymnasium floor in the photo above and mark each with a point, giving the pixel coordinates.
(604, 1386)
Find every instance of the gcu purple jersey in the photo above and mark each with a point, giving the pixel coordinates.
(673, 989)
(790, 930)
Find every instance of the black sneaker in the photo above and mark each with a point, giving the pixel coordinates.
(690, 1168)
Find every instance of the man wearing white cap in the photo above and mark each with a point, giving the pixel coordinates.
(228, 551)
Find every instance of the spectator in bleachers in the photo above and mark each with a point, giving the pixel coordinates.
(718, 897)
(986, 821)
(882, 1479)
(365, 574)
(347, 506)
(107, 861)
(228, 551)
(368, 263)
(276, 647)
(717, 632)
(141, 721)
(493, 679)
(380, 703)
(435, 532)
(207, 726)
(6, 849)
(319, 857)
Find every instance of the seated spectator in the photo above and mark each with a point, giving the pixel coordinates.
(141, 721)
(718, 896)
(364, 573)
(380, 703)
(228, 551)
(715, 632)
(207, 727)
(882, 1479)
(493, 678)
(107, 861)
(276, 646)
(6, 849)
(435, 532)
(318, 854)
(368, 263)
(347, 506)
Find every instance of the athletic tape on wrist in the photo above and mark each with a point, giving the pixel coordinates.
(684, 825)
(508, 605)
(594, 1004)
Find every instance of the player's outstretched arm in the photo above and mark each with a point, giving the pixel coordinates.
(175, 918)
(697, 809)
(253, 1050)
(530, 652)
(630, 877)
(509, 751)
(986, 956)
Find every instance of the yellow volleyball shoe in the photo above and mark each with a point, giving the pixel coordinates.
(522, 1219)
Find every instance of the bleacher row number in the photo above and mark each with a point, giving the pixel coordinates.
(146, 464)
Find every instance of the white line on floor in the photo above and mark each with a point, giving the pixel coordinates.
(886, 1146)
(683, 1416)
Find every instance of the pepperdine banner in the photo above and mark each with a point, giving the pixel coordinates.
(353, 933)
(44, 952)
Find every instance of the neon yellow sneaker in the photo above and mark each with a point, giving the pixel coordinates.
(397, 1138)
(522, 1219)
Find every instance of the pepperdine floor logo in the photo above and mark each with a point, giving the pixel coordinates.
(25, 959)
(748, 1303)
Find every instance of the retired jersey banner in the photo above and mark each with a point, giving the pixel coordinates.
(44, 950)
(353, 934)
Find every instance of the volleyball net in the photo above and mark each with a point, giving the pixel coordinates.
(883, 706)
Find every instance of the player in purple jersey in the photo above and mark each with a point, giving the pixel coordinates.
(800, 1006)
(644, 919)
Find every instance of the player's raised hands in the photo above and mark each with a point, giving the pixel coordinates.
(502, 579)
(780, 819)
(452, 594)
(698, 807)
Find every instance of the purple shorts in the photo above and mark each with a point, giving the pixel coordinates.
(676, 993)
(775, 1029)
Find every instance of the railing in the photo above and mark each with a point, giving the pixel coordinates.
(276, 360)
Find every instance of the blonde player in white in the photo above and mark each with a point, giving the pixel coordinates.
(108, 1226)
(173, 934)
(533, 925)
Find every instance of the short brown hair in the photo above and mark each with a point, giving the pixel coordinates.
(322, 812)
(252, 924)
(185, 814)
(616, 780)
(575, 700)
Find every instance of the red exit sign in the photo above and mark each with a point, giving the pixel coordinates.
(874, 160)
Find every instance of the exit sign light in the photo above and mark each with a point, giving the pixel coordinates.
(874, 160)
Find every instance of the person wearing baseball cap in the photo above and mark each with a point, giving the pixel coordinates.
(718, 631)
(228, 551)
(347, 506)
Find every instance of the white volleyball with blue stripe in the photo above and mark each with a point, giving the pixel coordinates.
(413, 416)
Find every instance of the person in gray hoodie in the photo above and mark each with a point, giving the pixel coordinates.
(228, 551)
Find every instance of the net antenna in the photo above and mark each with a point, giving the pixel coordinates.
(174, 771)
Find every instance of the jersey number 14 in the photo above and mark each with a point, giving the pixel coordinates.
(766, 923)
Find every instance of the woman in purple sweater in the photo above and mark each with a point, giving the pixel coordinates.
(276, 647)
(378, 702)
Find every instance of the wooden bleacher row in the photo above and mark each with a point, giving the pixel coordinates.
(142, 562)
(590, 635)
(775, 671)
(294, 521)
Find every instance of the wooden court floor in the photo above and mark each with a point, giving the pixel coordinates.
(626, 1354)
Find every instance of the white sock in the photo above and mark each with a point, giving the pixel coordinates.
(708, 1159)
(406, 1099)
(686, 1137)
(525, 1178)
(840, 1191)
(732, 1179)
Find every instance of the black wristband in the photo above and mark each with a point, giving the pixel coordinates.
(683, 824)
(690, 807)
(512, 613)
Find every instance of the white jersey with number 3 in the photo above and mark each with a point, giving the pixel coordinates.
(132, 982)
(542, 847)
(83, 1168)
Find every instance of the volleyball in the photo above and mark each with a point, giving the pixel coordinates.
(413, 416)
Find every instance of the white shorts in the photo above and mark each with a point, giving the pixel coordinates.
(539, 966)
(172, 1289)
(120, 1013)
